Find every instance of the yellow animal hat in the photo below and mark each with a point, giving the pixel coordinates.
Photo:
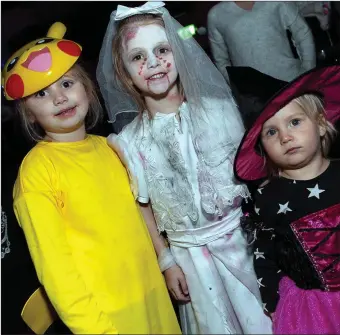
(39, 64)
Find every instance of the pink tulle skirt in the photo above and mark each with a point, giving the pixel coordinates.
(306, 311)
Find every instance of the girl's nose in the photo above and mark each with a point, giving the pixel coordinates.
(59, 98)
(153, 61)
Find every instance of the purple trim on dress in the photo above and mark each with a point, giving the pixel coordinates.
(319, 235)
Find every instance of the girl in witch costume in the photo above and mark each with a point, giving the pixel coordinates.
(295, 226)
(86, 236)
(179, 151)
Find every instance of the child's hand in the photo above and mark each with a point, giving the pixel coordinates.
(176, 283)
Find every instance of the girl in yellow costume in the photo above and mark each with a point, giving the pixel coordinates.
(90, 247)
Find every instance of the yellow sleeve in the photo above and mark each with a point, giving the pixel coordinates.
(43, 225)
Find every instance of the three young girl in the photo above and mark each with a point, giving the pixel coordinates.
(179, 152)
(89, 244)
(98, 266)
(295, 226)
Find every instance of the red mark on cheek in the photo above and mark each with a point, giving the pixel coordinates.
(141, 67)
(168, 65)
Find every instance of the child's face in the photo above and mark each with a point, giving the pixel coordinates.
(148, 59)
(290, 138)
(61, 107)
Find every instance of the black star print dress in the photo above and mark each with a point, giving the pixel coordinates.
(295, 230)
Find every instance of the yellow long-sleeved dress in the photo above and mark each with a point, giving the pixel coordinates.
(89, 244)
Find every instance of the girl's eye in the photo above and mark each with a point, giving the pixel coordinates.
(271, 132)
(163, 50)
(40, 94)
(67, 84)
(295, 122)
(137, 58)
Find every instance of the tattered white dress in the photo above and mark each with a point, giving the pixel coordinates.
(210, 249)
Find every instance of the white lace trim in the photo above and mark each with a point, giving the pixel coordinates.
(167, 181)
(171, 196)
(5, 243)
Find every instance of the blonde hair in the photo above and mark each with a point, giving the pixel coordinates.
(36, 133)
(117, 54)
(313, 107)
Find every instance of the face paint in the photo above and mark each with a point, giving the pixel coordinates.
(150, 82)
(141, 68)
(149, 60)
(130, 34)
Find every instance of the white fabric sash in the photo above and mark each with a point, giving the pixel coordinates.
(201, 236)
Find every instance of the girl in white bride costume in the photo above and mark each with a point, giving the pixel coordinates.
(179, 152)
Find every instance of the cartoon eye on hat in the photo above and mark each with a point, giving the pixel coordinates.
(39, 64)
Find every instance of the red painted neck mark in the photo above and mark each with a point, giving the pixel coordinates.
(174, 97)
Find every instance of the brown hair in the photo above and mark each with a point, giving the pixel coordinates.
(117, 52)
(36, 133)
(313, 106)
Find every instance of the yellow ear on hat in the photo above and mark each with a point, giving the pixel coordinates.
(39, 64)
(57, 30)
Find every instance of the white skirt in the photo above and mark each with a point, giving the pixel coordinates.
(225, 298)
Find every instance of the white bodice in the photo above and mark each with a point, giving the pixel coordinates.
(165, 168)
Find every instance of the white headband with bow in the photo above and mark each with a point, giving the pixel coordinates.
(150, 7)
